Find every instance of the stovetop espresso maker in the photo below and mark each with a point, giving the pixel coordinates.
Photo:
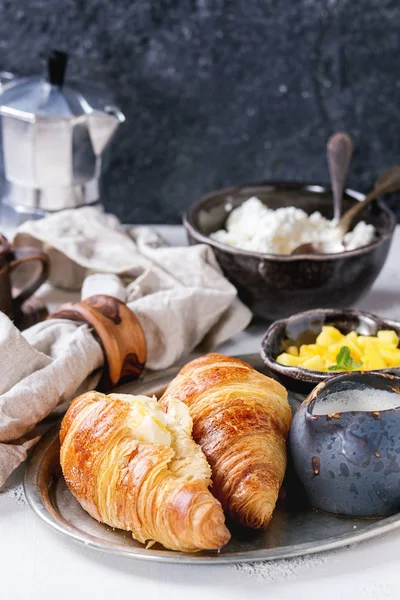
(53, 138)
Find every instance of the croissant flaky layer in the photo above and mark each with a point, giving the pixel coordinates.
(241, 420)
(136, 467)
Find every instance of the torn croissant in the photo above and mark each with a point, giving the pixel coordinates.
(241, 420)
(136, 467)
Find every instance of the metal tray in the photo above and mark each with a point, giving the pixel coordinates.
(295, 528)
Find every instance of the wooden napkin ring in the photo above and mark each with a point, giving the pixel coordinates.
(119, 332)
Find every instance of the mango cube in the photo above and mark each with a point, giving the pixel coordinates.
(388, 337)
(352, 336)
(351, 342)
(315, 364)
(372, 356)
(288, 360)
(391, 356)
(364, 340)
(328, 336)
(310, 350)
(293, 350)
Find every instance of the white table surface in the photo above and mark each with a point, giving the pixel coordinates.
(38, 563)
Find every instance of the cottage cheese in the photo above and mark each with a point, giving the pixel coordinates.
(257, 228)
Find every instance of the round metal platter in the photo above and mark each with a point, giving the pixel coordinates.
(295, 528)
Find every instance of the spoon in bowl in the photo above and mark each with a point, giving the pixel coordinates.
(388, 182)
(339, 151)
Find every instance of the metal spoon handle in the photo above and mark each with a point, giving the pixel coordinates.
(339, 151)
(388, 182)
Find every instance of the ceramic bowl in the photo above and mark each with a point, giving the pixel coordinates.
(348, 460)
(272, 285)
(303, 328)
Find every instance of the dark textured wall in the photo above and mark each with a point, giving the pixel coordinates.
(220, 92)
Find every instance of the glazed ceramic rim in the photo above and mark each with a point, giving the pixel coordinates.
(312, 397)
(308, 375)
(192, 229)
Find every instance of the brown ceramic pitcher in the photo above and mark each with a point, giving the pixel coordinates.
(10, 259)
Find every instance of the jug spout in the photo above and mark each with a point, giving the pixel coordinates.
(102, 126)
(5, 79)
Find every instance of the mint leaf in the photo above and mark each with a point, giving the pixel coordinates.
(344, 357)
(344, 361)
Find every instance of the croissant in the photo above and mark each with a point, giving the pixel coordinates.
(241, 420)
(136, 467)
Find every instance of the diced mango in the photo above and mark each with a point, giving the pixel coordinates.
(391, 355)
(316, 364)
(366, 365)
(373, 352)
(335, 348)
(332, 351)
(310, 350)
(352, 336)
(351, 341)
(329, 335)
(324, 339)
(363, 340)
(328, 363)
(388, 337)
(372, 356)
(288, 360)
(293, 350)
(333, 332)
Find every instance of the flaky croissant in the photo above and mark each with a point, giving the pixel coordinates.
(136, 467)
(241, 420)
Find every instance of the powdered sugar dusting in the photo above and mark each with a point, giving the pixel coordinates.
(285, 569)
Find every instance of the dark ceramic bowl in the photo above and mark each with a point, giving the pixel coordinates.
(303, 328)
(274, 285)
(349, 461)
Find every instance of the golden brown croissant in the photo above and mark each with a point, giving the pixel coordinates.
(241, 420)
(136, 467)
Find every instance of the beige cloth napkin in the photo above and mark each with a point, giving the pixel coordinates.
(179, 295)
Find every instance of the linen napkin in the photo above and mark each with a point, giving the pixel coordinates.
(179, 295)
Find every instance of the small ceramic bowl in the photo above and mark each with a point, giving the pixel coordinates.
(345, 445)
(303, 328)
(274, 285)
